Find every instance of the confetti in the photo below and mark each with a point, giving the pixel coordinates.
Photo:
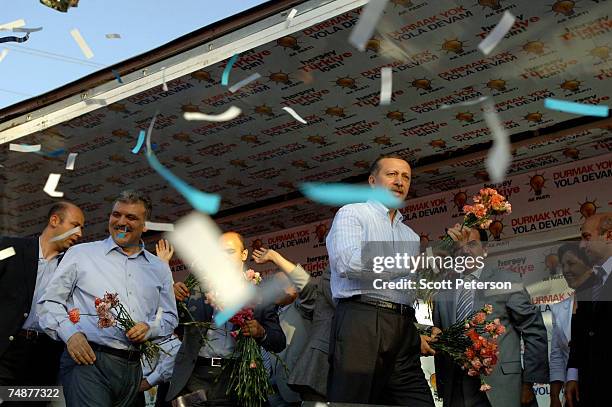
(576, 108)
(117, 76)
(100, 102)
(499, 157)
(499, 32)
(24, 148)
(81, 43)
(6, 253)
(244, 82)
(386, 85)
(164, 85)
(12, 38)
(203, 202)
(113, 36)
(164, 227)
(12, 25)
(294, 114)
(70, 161)
(139, 143)
(364, 29)
(291, 16)
(67, 234)
(196, 239)
(467, 103)
(228, 68)
(51, 184)
(336, 194)
(3, 54)
(54, 153)
(27, 30)
(229, 114)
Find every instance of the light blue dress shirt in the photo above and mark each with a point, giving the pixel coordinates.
(161, 371)
(46, 268)
(89, 270)
(355, 224)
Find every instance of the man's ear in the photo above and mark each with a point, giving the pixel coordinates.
(371, 180)
(244, 255)
(54, 220)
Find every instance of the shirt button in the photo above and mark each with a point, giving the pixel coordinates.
(25, 314)
(11, 338)
(591, 333)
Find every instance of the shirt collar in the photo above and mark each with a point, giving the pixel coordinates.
(380, 208)
(477, 273)
(41, 256)
(110, 244)
(607, 266)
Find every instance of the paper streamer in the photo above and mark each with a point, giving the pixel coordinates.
(466, 103)
(576, 108)
(70, 161)
(3, 54)
(244, 82)
(113, 36)
(24, 148)
(12, 25)
(229, 114)
(295, 115)
(386, 85)
(139, 143)
(27, 30)
(54, 153)
(337, 194)
(291, 16)
(196, 239)
(51, 184)
(497, 34)
(228, 68)
(69, 233)
(164, 85)
(203, 202)
(164, 227)
(499, 157)
(364, 29)
(12, 38)
(6, 253)
(100, 102)
(117, 76)
(78, 38)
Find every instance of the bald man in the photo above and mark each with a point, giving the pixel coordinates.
(200, 367)
(23, 279)
(590, 359)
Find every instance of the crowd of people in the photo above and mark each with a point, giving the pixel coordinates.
(336, 339)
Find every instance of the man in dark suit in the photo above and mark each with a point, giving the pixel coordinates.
(589, 360)
(27, 355)
(512, 383)
(199, 366)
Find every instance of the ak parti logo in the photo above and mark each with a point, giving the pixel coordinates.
(565, 8)
(459, 199)
(536, 183)
(288, 41)
(551, 262)
(496, 228)
(588, 208)
(321, 231)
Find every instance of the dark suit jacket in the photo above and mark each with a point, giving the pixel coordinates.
(589, 345)
(17, 283)
(187, 355)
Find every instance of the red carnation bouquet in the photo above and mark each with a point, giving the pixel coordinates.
(472, 344)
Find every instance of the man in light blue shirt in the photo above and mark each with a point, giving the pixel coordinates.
(374, 347)
(101, 366)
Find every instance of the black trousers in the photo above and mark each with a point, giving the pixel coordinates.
(375, 358)
(31, 361)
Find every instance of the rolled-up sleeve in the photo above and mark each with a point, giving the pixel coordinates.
(559, 353)
(165, 319)
(344, 243)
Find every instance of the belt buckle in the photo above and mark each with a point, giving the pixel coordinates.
(215, 362)
(31, 334)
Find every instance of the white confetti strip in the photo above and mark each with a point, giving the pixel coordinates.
(6, 253)
(100, 102)
(164, 227)
(466, 103)
(70, 161)
(67, 234)
(364, 29)
(51, 184)
(12, 25)
(164, 84)
(113, 36)
(244, 82)
(3, 54)
(499, 32)
(24, 148)
(386, 85)
(78, 38)
(295, 115)
(229, 114)
(499, 157)
(291, 16)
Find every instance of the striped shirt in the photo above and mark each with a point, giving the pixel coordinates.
(354, 225)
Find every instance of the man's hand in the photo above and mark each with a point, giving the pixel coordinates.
(254, 329)
(181, 292)
(555, 390)
(79, 350)
(572, 394)
(263, 255)
(555, 401)
(164, 250)
(144, 385)
(138, 332)
(527, 395)
(459, 234)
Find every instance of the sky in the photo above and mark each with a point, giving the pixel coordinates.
(51, 58)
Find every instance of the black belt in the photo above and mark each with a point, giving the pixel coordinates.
(130, 355)
(32, 335)
(401, 309)
(212, 362)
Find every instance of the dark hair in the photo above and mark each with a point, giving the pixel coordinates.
(59, 209)
(576, 250)
(374, 167)
(132, 196)
(482, 233)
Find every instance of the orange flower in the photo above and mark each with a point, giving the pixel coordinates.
(74, 315)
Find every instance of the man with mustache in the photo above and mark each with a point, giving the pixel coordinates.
(374, 350)
(101, 366)
(23, 279)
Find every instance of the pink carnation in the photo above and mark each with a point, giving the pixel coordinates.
(485, 387)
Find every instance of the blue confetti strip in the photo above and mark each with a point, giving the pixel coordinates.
(341, 194)
(141, 139)
(54, 153)
(576, 108)
(117, 76)
(228, 68)
(121, 235)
